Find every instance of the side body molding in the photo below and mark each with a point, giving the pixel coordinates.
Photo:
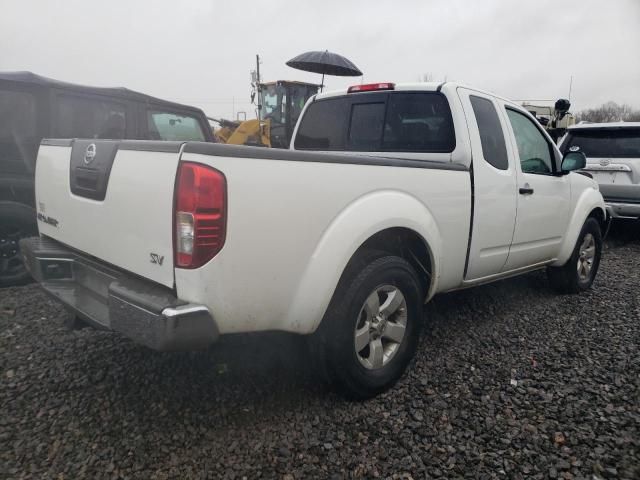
(363, 218)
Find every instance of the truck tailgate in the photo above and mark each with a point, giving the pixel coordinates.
(112, 200)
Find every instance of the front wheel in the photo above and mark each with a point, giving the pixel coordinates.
(580, 270)
(370, 331)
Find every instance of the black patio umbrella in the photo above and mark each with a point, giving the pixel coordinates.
(326, 63)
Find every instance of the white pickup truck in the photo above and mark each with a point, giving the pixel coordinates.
(412, 190)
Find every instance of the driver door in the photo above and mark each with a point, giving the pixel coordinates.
(543, 197)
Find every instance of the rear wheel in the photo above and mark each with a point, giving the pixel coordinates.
(370, 331)
(580, 270)
(17, 221)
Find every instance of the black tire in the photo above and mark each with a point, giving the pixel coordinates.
(333, 345)
(73, 322)
(17, 221)
(568, 278)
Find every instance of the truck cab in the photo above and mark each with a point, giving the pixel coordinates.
(282, 103)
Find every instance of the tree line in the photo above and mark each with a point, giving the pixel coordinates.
(609, 112)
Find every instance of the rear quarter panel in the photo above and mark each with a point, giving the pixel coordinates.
(293, 226)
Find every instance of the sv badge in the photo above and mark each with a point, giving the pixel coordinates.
(157, 259)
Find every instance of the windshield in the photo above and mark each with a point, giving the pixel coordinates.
(274, 101)
(621, 142)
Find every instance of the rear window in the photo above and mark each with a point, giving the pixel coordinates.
(623, 142)
(18, 131)
(396, 122)
(82, 117)
(324, 126)
(367, 122)
(173, 126)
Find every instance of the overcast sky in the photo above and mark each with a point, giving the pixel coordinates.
(200, 52)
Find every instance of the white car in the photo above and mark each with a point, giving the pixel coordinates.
(613, 158)
(426, 188)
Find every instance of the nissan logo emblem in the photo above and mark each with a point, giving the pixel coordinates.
(90, 154)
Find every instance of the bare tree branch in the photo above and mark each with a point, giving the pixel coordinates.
(609, 112)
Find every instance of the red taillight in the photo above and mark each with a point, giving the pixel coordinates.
(370, 87)
(200, 214)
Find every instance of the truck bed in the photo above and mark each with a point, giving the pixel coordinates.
(293, 221)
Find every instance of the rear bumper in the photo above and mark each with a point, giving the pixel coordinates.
(623, 201)
(110, 299)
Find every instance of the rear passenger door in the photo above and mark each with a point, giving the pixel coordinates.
(543, 196)
(494, 179)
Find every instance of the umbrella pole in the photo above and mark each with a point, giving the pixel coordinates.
(322, 83)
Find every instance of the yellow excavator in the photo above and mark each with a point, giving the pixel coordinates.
(279, 106)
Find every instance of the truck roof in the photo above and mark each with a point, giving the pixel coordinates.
(121, 92)
(420, 86)
(426, 86)
(293, 82)
(604, 125)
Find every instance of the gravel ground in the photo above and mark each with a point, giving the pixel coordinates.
(511, 381)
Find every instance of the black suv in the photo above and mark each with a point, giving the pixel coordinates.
(34, 107)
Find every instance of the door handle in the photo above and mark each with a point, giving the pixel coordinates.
(526, 190)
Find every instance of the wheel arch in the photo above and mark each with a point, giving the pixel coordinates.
(602, 218)
(391, 221)
(589, 205)
(404, 243)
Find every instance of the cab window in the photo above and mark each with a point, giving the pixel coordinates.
(82, 117)
(365, 131)
(323, 126)
(173, 126)
(494, 149)
(533, 148)
(418, 122)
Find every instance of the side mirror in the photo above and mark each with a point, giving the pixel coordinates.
(573, 161)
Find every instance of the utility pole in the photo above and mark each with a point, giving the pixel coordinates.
(258, 88)
(570, 85)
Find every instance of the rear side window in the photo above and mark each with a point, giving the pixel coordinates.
(620, 143)
(494, 149)
(324, 126)
(399, 122)
(81, 117)
(18, 131)
(173, 126)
